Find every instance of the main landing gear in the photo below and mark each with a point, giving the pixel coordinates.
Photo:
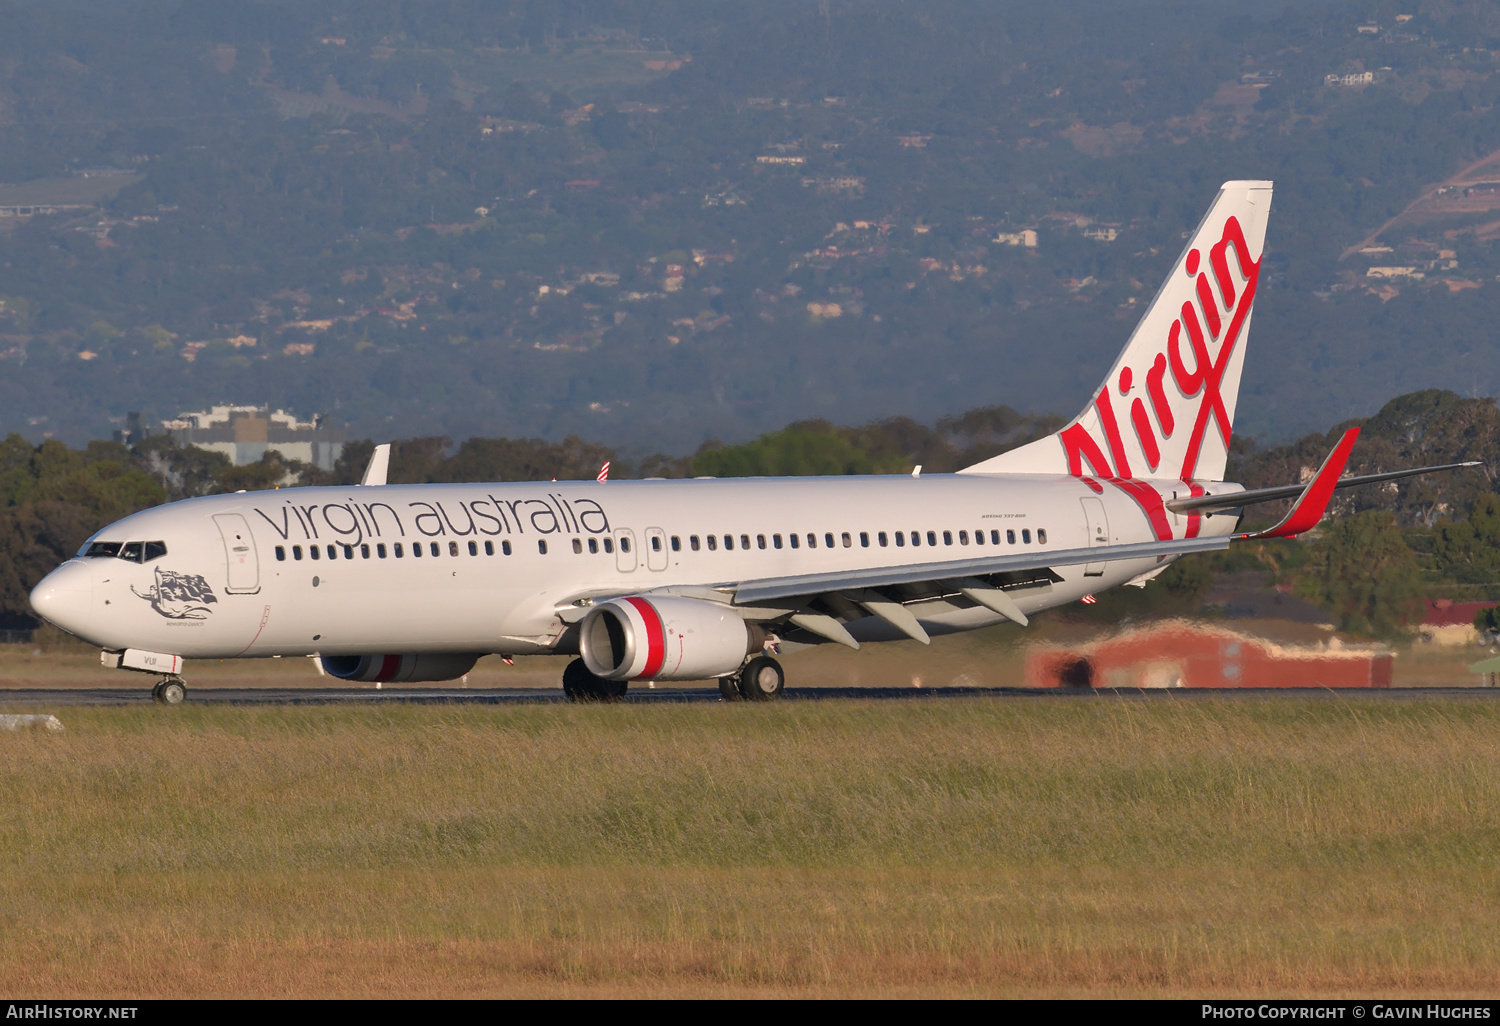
(582, 686)
(760, 680)
(170, 691)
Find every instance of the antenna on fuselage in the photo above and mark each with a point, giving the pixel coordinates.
(380, 462)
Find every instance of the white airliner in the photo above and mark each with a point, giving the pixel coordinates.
(703, 579)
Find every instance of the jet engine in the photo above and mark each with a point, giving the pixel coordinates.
(400, 668)
(664, 638)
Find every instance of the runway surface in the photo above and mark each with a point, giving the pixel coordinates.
(31, 698)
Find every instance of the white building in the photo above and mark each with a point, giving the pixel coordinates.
(246, 433)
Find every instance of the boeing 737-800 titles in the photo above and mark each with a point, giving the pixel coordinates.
(702, 579)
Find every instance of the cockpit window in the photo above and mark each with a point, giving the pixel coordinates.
(136, 552)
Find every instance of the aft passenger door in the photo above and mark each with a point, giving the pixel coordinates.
(1098, 528)
(656, 549)
(239, 553)
(625, 558)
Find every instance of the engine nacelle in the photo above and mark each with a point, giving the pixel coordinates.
(400, 668)
(665, 638)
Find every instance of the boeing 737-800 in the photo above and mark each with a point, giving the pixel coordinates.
(703, 579)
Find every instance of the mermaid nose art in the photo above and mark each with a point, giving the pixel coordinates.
(64, 598)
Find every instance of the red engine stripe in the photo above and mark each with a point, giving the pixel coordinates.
(656, 636)
(389, 666)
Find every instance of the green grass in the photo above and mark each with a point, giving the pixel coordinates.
(1012, 846)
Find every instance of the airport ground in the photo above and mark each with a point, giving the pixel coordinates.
(1290, 845)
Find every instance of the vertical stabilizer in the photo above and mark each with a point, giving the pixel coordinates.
(1166, 408)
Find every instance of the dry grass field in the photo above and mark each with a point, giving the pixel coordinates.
(1006, 847)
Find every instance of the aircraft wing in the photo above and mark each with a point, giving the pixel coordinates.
(771, 588)
(981, 579)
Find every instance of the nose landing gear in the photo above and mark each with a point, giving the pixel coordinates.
(170, 691)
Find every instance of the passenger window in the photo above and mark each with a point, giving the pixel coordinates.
(994, 537)
(1010, 537)
(882, 539)
(474, 547)
(577, 546)
(453, 548)
(963, 537)
(796, 541)
(812, 541)
(978, 537)
(729, 543)
(916, 538)
(1026, 535)
(437, 551)
(655, 543)
(713, 543)
(297, 552)
(280, 554)
(505, 547)
(593, 545)
(947, 537)
(745, 542)
(828, 539)
(848, 541)
(931, 537)
(348, 551)
(541, 546)
(864, 539)
(333, 552)
(397, 548)
(776, 541)
(380, 550)
(900, 539)
(1041, 536)
(676, 543)
(693, 542)
(625, 544)
(609, 545)
(489, 548)
(100, 550)
(131, 551)
(416, 550)
(315, 552)
(760, 541)
(364, 550)
(155, 550)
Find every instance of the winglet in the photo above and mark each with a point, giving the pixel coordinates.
(380, 461)
(1313, 502)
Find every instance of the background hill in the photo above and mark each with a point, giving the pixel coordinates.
(659, 222)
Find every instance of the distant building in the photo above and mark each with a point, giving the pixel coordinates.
(1445, 622)
(1354, 78)
(1394, 272)
(246, 433)
(1180, 654)
(779, 159)
(1025, 237)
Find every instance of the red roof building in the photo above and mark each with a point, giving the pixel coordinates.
(1181, 654)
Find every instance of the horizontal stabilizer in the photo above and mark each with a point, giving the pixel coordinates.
(1234, 500)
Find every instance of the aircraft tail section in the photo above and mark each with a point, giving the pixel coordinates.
(1166, 408)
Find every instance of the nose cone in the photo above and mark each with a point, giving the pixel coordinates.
(65, 598)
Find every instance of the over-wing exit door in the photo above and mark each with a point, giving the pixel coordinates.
(1098, 528)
